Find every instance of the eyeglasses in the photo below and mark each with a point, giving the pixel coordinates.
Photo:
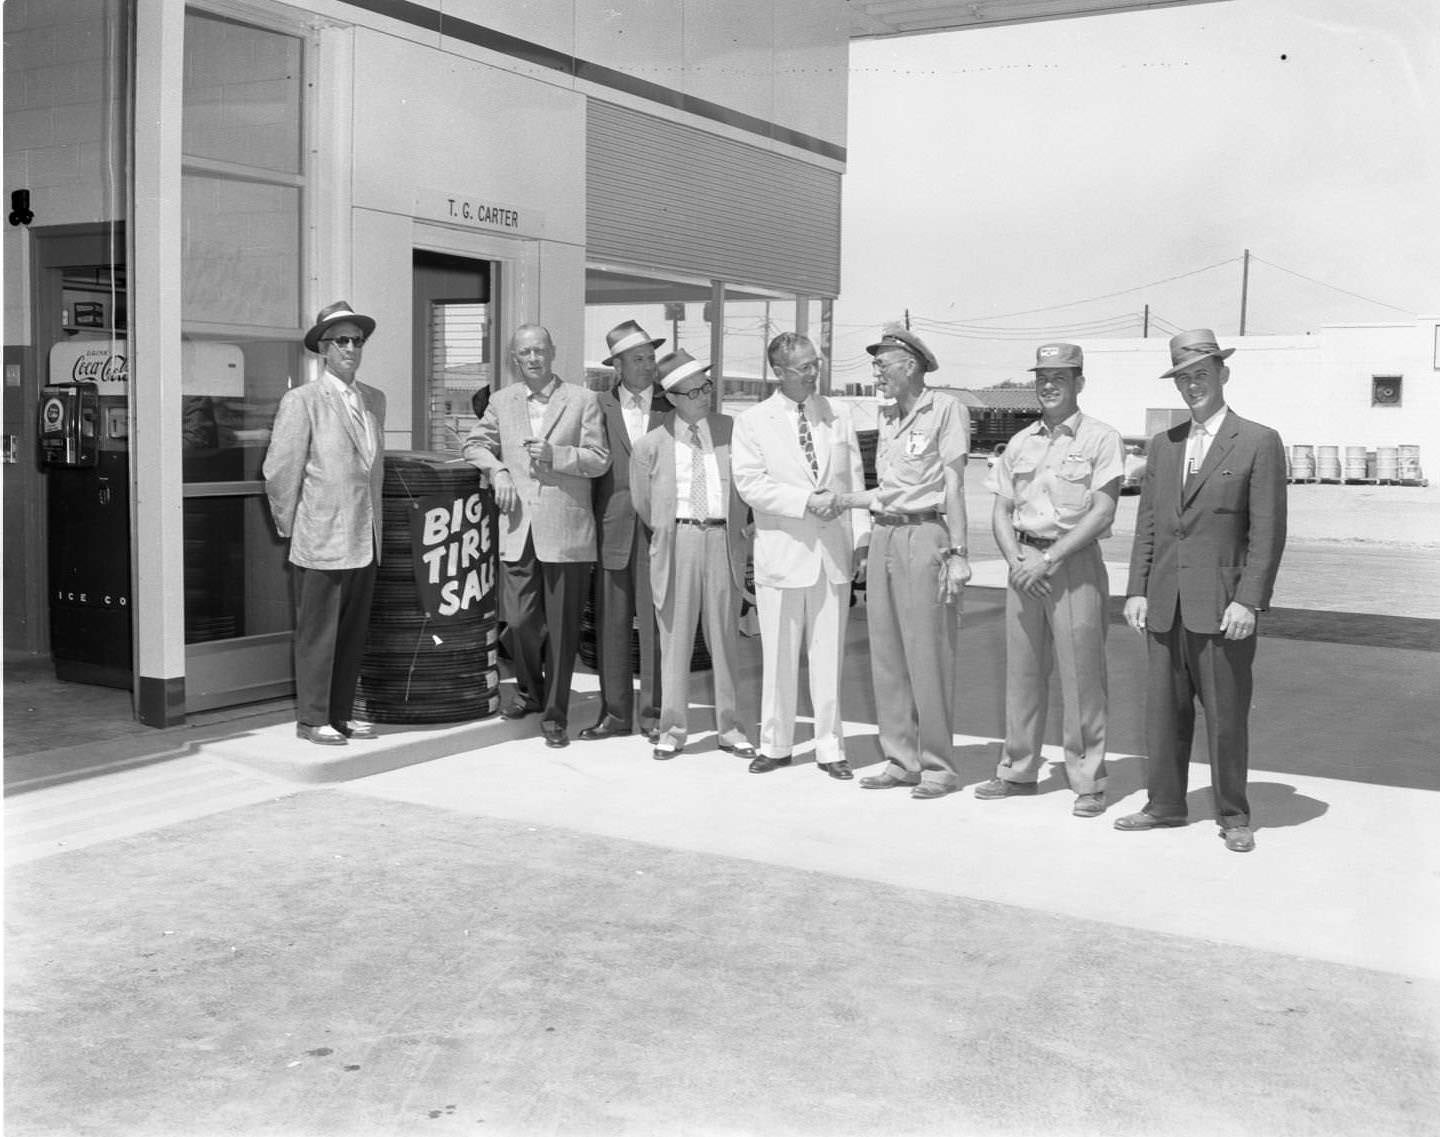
(811, 368)
(346, 341)
(698, 392)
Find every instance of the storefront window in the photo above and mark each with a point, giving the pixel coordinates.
(241, 264)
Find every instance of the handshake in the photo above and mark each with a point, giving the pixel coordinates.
(827, 505)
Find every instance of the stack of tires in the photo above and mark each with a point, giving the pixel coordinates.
(429, 658)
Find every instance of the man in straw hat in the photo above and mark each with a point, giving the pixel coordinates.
(542, 441)
(323, 474)
(622, 590)
(1208, 540)
(1055, 487)
(683, 492)
(918, 567)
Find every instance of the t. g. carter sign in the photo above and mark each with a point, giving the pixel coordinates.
(454, 554)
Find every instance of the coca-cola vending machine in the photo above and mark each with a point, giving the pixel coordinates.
(84, 431)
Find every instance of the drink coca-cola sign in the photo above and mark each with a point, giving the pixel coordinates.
(104, 364)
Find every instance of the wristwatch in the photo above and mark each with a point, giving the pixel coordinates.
(957, 551)
(1045, 556)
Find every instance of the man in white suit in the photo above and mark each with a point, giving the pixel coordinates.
(792, 454)
(323, 474)
(542, 442)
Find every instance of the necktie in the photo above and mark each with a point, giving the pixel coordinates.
(1196, 457)
(352, 400)
(699, 499)
(807, 443)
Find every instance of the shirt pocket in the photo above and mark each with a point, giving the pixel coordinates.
(1071, 490)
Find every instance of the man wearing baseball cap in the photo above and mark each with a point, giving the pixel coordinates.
(1208, 541)
(1055, 487)
(918, 567)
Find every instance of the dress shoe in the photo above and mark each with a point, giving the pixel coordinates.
(1133, 822)
(763, 765)
(555, 736)
(1239, 838)
(517, 710)
(1089, 805)
(929, 791)
(607, 727)
(999, 787)
(744, 750)
(839, 770)
(664, 754)
(356, 729)
(320, 735)
(884, 782)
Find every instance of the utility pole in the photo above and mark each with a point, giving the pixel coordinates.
(1244, 290)
(1145, 326)
(907, 319)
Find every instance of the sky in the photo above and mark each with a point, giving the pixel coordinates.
(1015, 169)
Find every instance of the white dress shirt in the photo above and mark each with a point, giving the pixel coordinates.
(636, 411)
(684, 456)
(1202, 434)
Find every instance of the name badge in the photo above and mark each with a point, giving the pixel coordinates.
(915, 443)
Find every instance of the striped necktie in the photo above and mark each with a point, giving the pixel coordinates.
(807, 442)
(699, 499)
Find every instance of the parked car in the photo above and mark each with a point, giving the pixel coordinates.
(1136, 456)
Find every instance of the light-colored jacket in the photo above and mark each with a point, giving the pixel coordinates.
(652, 489)
(556, 505)
(793, 547)
(324, 494)
(614, 511)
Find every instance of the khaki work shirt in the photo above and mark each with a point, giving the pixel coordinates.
(1050, 476)
(912, 452)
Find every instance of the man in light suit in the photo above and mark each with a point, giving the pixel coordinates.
(683, 492)
(323, 473)
(1208, 540)
(793, 454)
(623, 596)
(542, 442)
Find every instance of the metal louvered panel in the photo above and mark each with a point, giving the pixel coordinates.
(707, 206)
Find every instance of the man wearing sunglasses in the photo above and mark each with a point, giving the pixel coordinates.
(323, 474)
(683, 492)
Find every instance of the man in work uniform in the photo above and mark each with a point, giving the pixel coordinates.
(918, 567)
(1055, 487)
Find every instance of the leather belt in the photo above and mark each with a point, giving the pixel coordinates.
(907, 518)
(1034, 541)
(700, 522)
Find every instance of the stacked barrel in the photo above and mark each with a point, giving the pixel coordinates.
(431, 655)
(1385, 465)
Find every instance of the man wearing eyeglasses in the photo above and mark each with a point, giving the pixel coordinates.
(622, 589)
(918, 567)
(542, 441)
(323, 473)
(681, 485)
(793, 454)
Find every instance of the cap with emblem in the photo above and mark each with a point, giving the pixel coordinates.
(1059, 355)
(1193, 346)
(622, 337)
(679, 366)
(896, 336)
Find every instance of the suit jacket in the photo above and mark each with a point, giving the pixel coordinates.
(793, 547)
(613, 509)
(1216, 538)
(555, 506)
(324, 494)
(652, 488)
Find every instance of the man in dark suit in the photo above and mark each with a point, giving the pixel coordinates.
(542, 441)
(684, 494)
(323, 473)
(622, 592)
(1208, 540)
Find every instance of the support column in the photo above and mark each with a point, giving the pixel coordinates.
(157, 519)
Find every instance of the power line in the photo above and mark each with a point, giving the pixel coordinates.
(1333, 288)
